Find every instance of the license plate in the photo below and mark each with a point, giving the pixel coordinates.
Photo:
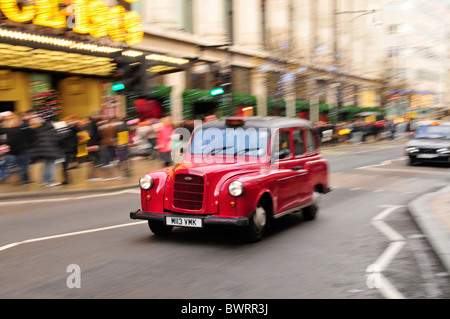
(184, 222)
(427, 156)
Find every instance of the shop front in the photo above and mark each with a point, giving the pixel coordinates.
(59, 57)
(54, 66)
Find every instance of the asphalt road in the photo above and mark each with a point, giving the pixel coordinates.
(363, 244)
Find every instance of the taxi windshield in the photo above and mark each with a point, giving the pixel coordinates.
(230, 141)
(432, 132)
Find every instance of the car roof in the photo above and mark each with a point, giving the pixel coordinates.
(272, 122)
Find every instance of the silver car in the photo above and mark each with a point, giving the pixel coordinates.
(430, 143)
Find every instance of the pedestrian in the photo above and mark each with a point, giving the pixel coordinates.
(67, 140)
(45, 148)
(164, 146)
(152, 135)
(94, 142)
(4, 161)
(18, 139)
(140, 141)
(123, 139)
(108, 135)
(26, 117)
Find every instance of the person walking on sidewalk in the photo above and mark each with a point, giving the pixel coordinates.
(45, 148)
(68, 142)
(18, 140)
(108, 136)
(123, 135)
(164, 141)
(152, 135)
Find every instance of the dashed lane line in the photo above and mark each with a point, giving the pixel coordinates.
(377, 167)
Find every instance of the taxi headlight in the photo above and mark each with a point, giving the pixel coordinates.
(146, 182)
(236, 188)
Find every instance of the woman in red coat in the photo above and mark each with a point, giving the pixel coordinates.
(163, 140)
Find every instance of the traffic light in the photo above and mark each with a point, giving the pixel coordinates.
(127, 75)
(217, 81)
(216, 91)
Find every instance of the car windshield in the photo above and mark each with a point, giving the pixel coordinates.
(432, 132)
(230, 141)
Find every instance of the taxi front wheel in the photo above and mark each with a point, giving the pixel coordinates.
(257, 225)
(158, 228)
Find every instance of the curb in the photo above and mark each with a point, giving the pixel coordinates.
(436, 234)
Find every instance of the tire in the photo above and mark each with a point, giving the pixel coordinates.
(310, 212)
(411, 161)
(257, 225)
(158, 228)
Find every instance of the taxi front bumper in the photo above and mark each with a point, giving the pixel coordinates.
(207, 220)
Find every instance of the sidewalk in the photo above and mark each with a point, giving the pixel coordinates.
(430, 211)
(432, 214)
(82, 178)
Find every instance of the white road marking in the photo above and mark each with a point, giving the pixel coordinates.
(385, 213)
(33, 240)
(61, 199)
(389, 291)
(383, 261)
(377, 167)
(389, 254)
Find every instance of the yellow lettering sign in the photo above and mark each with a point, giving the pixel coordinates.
(116, 29)
(11, 10)
(99, 18)
(82, 23)
(92, 17)
(48, 14)
(133, 26)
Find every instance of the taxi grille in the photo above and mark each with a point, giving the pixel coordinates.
(188, 192)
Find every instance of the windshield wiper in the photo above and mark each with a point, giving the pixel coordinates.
(213, 151)
(247, 150)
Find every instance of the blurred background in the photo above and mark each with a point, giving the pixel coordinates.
(322, 60)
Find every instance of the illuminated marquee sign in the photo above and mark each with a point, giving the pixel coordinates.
(92, 17)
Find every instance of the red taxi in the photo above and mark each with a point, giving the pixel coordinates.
(241, 172)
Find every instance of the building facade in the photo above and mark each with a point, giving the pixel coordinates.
(269, 56)
(416, 44)
(57, 57)
(282, 52)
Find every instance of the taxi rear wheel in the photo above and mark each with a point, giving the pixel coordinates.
(158, 228)
(257, 224)
(310, 212)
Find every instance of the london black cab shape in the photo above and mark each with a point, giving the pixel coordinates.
(240, 172)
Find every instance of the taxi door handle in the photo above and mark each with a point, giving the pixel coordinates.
(296, 168)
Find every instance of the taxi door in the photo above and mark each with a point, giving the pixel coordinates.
(291, 174)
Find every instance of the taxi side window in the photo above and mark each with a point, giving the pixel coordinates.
(311, 142)
(281, 145)
(299, 145)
